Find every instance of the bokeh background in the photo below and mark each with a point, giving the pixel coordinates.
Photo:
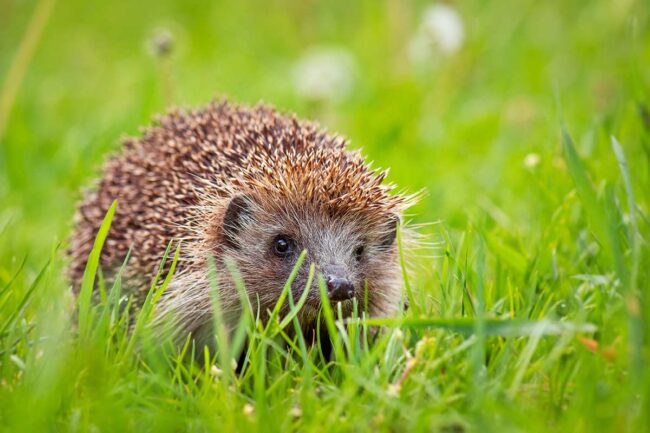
(463, 99)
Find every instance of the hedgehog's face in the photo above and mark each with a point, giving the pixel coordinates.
(356, 255)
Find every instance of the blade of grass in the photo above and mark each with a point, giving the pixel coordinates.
(407, 285)
(219, 325)
(20, 309)
(243, 328)
(88, 282)
(478, 352)
(596, 215)
(295, 309)
(635, 319)
(524, 360)
(112, 303)
(146, 313)
(493, 327)
(18, 67)
(13, 278)
(328, 317)
(285, 291)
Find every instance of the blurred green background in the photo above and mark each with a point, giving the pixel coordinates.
(462, 100)
(457, 123)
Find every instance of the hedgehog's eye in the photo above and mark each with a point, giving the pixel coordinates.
(283, 246)
(358, 252)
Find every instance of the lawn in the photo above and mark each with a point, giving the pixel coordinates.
(526, 125)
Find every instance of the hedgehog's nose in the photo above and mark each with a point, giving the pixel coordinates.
(339, 289)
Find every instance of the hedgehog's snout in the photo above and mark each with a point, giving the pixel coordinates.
(339, 286)
(339, 289)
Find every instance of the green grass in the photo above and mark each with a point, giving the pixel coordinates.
(532, 144)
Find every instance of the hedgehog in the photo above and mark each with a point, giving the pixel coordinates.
(253, 187)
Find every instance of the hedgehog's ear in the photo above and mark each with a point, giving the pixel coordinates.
(390, 231)
(233, 219)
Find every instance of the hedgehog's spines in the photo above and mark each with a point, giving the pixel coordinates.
(174, 182)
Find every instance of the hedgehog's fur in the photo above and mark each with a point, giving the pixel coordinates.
(179, 179)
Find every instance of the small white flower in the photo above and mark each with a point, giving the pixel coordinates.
(161, 42)
(325, 73)
(248, 409)
(443, 24)
(420, 346)
(441, 29)
(531, 160)
(295, 412)
(394, 389)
